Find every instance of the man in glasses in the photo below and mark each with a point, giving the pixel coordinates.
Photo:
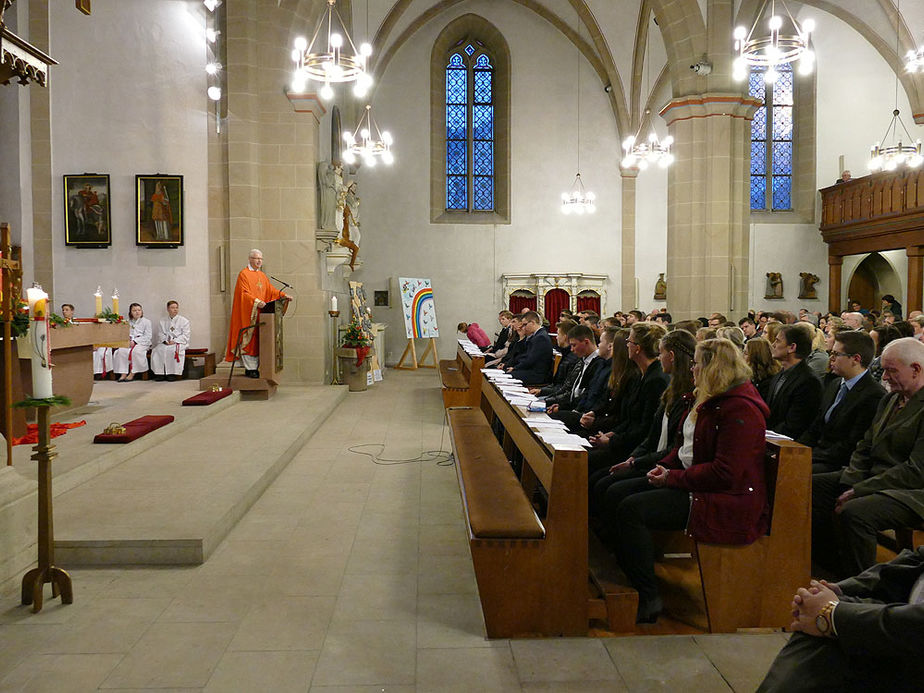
(847, 406)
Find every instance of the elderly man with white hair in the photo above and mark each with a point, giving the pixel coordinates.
(853, 320)
(883, 484)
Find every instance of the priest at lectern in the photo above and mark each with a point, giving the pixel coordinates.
(252, 291)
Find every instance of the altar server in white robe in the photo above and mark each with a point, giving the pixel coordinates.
(133, 360)
(102, 362)
(169, 354)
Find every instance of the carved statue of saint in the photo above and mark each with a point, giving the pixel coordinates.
(330, 184)
(807, 285)
(660, 288)
(774, 285)
(349, 234)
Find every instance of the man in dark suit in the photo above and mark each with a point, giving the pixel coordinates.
(535, 367)
(883, 485)
(863, 633)
(595, 367)
(795, 392)
(848, 404)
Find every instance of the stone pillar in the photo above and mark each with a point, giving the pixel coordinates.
(629, 299)
(709, 204)
(40, 125)
(915, 278)
(835, 262)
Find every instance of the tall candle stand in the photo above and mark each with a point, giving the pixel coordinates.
(334, 336)
(33, 582)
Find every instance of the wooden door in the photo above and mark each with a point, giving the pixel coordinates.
(864, 287)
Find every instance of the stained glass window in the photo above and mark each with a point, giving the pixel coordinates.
(470, 131)
(772, 141)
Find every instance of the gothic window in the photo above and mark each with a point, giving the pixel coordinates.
(469, 129)
(772, 141)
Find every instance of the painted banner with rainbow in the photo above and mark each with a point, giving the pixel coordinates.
(419, 309)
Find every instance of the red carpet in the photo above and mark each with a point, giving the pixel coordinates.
(57, 429)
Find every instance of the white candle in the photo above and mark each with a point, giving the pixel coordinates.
(333, 304)
(38, 338)
(99, 301)
(115, 301)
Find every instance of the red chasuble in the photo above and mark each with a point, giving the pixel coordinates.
(252, 285)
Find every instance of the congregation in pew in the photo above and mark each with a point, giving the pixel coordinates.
(679, 435)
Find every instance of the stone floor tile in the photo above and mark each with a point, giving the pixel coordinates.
(285, 623)
(73, 673)
(563, 659)
(377, 688)
(446, 575)
(233, 557)
(450, 620)
(367, 653)
(742, 660)
(107, 626)
(445, 540)
(217, 598)
(306, 576)
(467, 669)
(574, 686)
(257, 527)
(177, 655)
(667, 663)
(148, 583)
(272, 672)
(398, 556)
(369, 597)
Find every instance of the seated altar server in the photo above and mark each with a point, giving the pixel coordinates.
(169, 354)
(133, 359)
(102, 362)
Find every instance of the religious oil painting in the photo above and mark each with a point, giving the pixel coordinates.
(159, 204)
(86, 210)
(419, 309)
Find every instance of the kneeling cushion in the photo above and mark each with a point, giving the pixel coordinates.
(205, 398)
(134, 429)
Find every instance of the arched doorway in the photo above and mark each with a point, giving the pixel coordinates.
(872, 278)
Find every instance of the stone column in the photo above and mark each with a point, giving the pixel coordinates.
(40, 125)
(708, 204)
(628, 298)
(835, 262)
(915, 278)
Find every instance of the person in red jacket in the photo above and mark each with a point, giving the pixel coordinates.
(713, 484)
(475, 334)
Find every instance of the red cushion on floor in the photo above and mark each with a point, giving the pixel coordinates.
(205, 398)
(134, 429)
(203, 350)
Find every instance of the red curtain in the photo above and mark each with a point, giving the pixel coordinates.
(556, 300)
(518, 303)
(585, 302)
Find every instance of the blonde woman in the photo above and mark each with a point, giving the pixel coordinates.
(713, 484)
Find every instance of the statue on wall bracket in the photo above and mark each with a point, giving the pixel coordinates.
(774, 285)
(660, 293)
(807, 285)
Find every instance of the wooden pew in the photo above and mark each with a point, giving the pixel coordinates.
(742, 586)
(461, 379)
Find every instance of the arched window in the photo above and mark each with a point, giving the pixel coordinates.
(470, 73)
(469, 129)
(772, 153)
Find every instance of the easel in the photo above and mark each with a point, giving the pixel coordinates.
(411, 350)
(10, 271)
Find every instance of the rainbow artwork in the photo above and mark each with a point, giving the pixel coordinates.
(419, 309)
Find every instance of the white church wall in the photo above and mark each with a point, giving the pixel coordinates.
(155, 122)
(650, 235)
(465, 262)
(849, 118)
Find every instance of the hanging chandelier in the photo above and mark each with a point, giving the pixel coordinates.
(787, 42)
(578, 200)
(891, 152)
(329, 61)
(650, 152)
(368, 148)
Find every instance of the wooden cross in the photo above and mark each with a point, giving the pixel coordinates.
(10, 274)
(83, 6)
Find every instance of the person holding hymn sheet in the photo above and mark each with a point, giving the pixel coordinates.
(169, 354)
(133, 359)
(252, 291)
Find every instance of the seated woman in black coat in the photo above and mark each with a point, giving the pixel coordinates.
(641, 402)
(762, 364)
(676, 357)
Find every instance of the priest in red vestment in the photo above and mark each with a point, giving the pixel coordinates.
(252, 291)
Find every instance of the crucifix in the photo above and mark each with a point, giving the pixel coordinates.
(10, 278)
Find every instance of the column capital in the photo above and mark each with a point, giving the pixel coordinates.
(631, 172)
(835, 260)
(307, 103)
(914, 251)
(709, 105)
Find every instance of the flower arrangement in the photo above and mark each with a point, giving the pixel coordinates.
(56, 320)
(354, 336)
(20, 325)
(110, 316)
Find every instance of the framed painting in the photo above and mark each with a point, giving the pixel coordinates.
(86, 210)
(159, 208)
